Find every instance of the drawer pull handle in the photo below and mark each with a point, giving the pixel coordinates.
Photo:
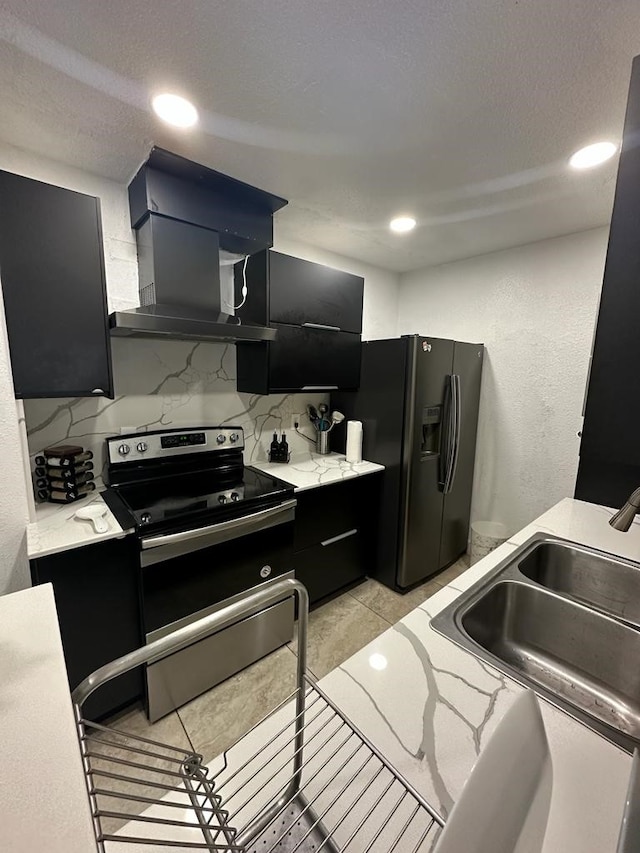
(319, 388)
(322, 326)
(341, 536)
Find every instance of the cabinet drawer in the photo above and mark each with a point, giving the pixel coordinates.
(328, 511)
(182, 676)
(304, 358)
(304, 292)
(325, 569)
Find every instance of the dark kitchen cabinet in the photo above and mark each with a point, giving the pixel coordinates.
(609, 466)
(97, 600)
(305, 292)
(317, 312)
(301, 359)
(335, 535)
(53, 283)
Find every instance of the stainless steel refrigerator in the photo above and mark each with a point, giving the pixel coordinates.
(418, 403)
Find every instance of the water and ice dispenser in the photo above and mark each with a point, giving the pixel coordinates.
(431, 423)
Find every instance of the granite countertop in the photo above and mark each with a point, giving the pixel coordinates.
(306, 472)
(44, 802)
(56, 529)
(433, 706)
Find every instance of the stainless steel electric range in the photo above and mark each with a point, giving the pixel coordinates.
(210, 529)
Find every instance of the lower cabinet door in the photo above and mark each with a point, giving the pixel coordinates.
(333, 564)
(331, 510)
(97, 598)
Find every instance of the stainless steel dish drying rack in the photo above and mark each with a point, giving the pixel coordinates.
(303, 779)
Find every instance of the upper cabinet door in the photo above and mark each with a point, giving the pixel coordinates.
(317, 312)
(304, 359)
(304, 293)
(53, 283)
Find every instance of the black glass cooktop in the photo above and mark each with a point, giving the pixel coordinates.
(175, 502)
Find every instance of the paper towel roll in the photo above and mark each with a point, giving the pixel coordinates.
(354, 441)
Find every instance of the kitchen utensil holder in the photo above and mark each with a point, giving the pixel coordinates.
(304, 778)
(322, 442)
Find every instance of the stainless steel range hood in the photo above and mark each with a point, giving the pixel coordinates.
(183, 215)
(173, 321)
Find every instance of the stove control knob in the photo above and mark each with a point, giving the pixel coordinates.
(222, 499)
(235, 496)
(145, 518)
(221, 439)
(233, 437)
(124, 449)
(141, 446)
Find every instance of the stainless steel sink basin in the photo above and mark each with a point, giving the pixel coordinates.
(538, 617)
(599, 580)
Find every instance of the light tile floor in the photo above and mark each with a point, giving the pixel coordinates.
(337, 630)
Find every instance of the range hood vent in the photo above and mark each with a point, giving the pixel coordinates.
(183, 215)
(173, 321)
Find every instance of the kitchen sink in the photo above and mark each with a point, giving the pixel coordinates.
(591, 577)
(564, 620)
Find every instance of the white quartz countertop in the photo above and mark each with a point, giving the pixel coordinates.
(428, 705)
(433, 706)
(43, 796)
(57, 529)
(310, 472)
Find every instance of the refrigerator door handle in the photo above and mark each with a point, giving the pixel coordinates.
(456, 409)
(451, 428)
(446, 436)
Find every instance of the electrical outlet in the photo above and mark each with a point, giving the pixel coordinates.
(296, 419)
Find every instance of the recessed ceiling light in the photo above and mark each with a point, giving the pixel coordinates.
(175, 110)
(593, 155)
(401, 224)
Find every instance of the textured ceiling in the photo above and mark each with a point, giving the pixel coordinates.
(461, 112)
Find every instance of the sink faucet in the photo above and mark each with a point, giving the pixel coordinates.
(623, 519)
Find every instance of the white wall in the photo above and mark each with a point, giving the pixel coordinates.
(534, 307)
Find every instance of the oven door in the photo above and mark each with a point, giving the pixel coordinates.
(188, 574)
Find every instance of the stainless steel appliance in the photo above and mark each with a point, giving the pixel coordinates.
(418, 403)
(209, 530)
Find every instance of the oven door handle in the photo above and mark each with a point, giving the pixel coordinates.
(242, 526)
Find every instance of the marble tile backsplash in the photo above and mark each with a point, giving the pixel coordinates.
(165, 383)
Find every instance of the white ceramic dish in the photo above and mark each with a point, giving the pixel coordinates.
(96, 514)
